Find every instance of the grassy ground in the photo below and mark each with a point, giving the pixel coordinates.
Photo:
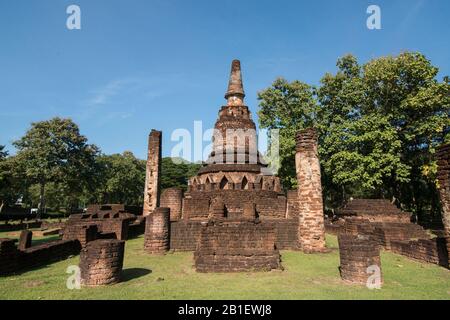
(173, 277)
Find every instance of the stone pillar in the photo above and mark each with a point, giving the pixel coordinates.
(157, 231)
(25, 239)
(360, 259)
(311, 231)
(101, 262)
(153, 173)
(443, 175)
(173, 198)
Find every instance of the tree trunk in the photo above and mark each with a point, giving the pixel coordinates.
(1, 206)
(41, 201)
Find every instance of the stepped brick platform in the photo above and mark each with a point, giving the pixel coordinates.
(424, 250)
(374, 210)
(357, 254)
(101, 262)
(237, 246)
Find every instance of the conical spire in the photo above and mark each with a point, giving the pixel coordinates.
(235, 93)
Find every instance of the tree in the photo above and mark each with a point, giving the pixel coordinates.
(379, 125)
(289, 107)
(55, 151)
(177, 173)
(121, 179)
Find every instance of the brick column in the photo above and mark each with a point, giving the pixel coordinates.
(358, 255)
(101, 262)
(157, 231)
(173, 198)
(25, 239)
(153, 173)
(311, 230)
(443, 175)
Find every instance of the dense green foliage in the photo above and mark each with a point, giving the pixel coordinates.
(176, 172)
(379, 126)
(55, 168)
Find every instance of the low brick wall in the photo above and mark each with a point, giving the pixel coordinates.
(14, 260)
(425, 250)
(236, 246)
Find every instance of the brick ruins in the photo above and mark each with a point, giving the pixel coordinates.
(234, 246)
(357, 253)
(157, 230)
(443, 158)
(153, 173)
(310, 204)
(235, 216)
(391, 229)
(101, 262)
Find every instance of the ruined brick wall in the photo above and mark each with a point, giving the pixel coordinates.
(157, 231)
(173, 198)
(424, 250)
(357, 253)
(374, 210)
(236, 246)
(268, 204)
(101, 262)
(184, 235)
(292, 204)
(81, 231)
(385, 233)
(153, 173)
(8, 256)
(13, 260)
(443, 160)
(311, 219)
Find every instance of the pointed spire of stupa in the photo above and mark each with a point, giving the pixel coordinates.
(235, 94)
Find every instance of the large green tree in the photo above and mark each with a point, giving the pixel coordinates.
(55, 151)
(176, 172)
(379, 125)
(120, 179)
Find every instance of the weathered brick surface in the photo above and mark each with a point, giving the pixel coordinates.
(25, 239)
(374, 210)
(425, 250)
(443, 175)
(157, 231)
(236, 246)
(173, 198)
(14, 260)
(153, 173)
(311, 218)
(357, 253)
(83, 232)
(101, 262)
(292, 204)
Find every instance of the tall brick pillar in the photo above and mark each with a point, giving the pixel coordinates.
(443, 160)
(153, 173)
(311, 230)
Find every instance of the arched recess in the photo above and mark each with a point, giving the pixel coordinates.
(244, 183)
(224, 183)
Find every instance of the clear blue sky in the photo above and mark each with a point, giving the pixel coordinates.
(141, 64)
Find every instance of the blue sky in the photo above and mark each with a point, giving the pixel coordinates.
(142, 64)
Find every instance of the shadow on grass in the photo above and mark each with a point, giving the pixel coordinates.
(134, 273)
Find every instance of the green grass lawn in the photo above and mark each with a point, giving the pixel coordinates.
(173, 277)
